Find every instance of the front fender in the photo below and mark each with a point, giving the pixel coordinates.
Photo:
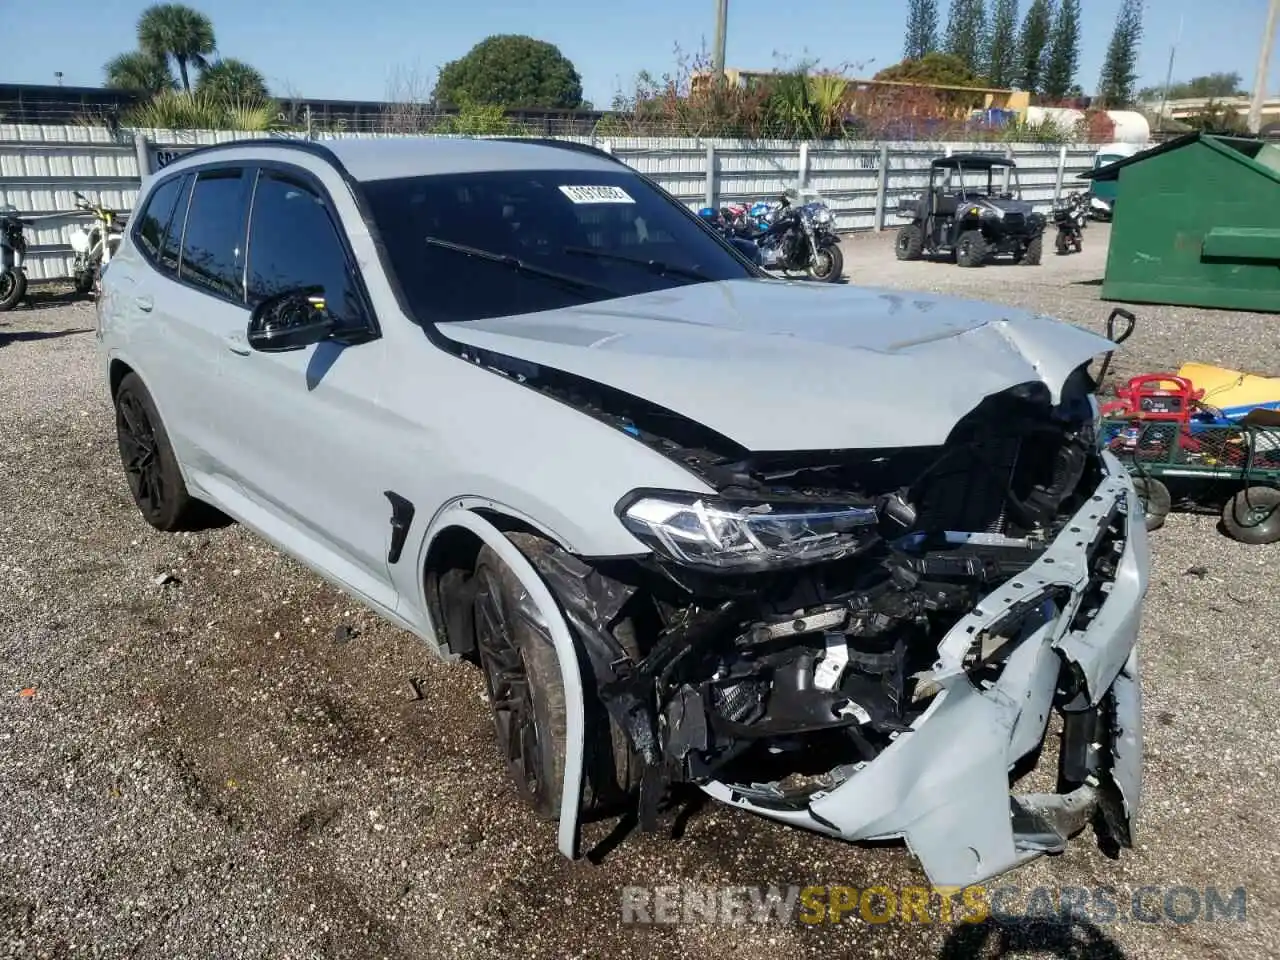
(458, 516)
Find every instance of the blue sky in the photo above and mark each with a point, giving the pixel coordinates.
(354, 49)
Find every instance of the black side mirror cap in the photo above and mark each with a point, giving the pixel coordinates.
(290, 320)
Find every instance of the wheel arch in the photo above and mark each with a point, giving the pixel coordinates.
(117, 370)
(455, 536)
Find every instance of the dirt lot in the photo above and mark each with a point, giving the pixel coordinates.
(206, 770)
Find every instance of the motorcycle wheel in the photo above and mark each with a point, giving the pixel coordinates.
(83, 281)
(13, 287)
(829, 266)
(1062, 244)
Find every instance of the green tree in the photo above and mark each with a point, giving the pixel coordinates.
(933, 69)
(170, 31)
(1000, 58)
(1033, 44)
(966, 32)
(232, 79)
(922, 29)
(1064, 52)
(138, 71)
(1120, 68)
(1210, 86)
(511, 71)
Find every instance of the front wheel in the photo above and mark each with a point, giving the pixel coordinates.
(829, 265)
(971, 249)
(1034, 252)
(1062, 244)
(1155, 499)
(13, 287)
(1253, 515)
(84, 280)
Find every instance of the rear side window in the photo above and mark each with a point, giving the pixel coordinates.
(293, 244)
(213, 242)
(155, 217)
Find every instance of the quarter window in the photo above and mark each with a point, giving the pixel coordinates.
(293, 245)
(169, 249)
(155, 217)
(213, 242)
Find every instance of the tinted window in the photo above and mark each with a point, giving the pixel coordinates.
(155, 217)
(173, 237)
(213, 243)
(293, 244)
(583, 225)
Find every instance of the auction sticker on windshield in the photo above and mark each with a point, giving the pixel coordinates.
(596, 194)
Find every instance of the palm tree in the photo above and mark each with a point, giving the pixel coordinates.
(232, 79)
(170, 30)
(138, 71)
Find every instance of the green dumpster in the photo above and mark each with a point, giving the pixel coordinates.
(1200, 225)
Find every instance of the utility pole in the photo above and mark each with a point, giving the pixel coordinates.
(1264, 68)
(717, 51)
(1168, 77)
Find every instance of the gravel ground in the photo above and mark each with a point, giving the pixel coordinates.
(193, 763)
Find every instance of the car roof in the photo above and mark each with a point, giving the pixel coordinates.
(385, 158)
(976, 161)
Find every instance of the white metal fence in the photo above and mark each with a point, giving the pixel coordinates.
(42, 166)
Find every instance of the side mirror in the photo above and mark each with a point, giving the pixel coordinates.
(290, 321)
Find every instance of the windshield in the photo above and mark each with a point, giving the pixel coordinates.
(476, 245)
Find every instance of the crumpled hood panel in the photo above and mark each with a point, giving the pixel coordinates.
(799, 366)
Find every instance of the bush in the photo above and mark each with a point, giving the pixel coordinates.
(172, 110)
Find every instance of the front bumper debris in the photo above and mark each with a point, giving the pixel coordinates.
(944, 785)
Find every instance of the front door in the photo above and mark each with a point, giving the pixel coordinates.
(313, 439)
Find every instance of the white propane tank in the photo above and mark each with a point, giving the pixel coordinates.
(1131, 126)
(1062, 116)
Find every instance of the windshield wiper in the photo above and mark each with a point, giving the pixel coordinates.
(657, 266)
(515, 263)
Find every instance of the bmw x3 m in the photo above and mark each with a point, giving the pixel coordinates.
(843, 557)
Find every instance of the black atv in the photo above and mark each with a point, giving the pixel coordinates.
(968, 215)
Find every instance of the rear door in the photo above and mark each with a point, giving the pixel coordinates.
(199, 303)
(312, 442)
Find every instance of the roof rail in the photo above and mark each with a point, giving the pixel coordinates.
(308, 146)
(563, 145)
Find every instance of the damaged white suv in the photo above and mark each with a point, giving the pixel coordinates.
(834, 555)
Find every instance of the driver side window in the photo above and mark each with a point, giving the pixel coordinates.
(293, 244)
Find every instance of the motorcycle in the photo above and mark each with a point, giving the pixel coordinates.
(722, 222)
(94, 243)
(13, 252)
(796, 239)
(1071, 215)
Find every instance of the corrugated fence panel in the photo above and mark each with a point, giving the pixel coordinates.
(42, 166)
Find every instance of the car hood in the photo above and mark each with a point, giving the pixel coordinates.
(1012, 206)
(776, 365)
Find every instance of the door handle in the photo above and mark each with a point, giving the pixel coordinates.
(144, 303)
(237, 344)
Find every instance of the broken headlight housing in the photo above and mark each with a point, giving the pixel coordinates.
(733, 536)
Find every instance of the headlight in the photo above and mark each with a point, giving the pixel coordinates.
(741, 537)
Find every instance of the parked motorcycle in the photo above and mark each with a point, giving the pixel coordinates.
(797, 239)
(13, 252)
(94, 243)
(1071, 214)
(722, 221)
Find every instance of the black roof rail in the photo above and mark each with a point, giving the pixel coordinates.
(563, 145)
(308, 146)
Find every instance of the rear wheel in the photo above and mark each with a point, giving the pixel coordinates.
(1034, 252)
(829, 265)
(910, 243)
(1253, 515)
(13, 287)
(84, 280)
(1155, 499)
(149, 463)
(971, 249)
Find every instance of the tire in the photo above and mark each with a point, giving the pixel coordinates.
(1253, 515)
(1156, 500)
(13, 287)
(149, 463)
(833, 264)
(1062, 245)
(1034, 253)
(526, 696)
(910, 243)
(84, 281)
(971, 249)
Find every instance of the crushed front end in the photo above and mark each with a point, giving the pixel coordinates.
(869, 643)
